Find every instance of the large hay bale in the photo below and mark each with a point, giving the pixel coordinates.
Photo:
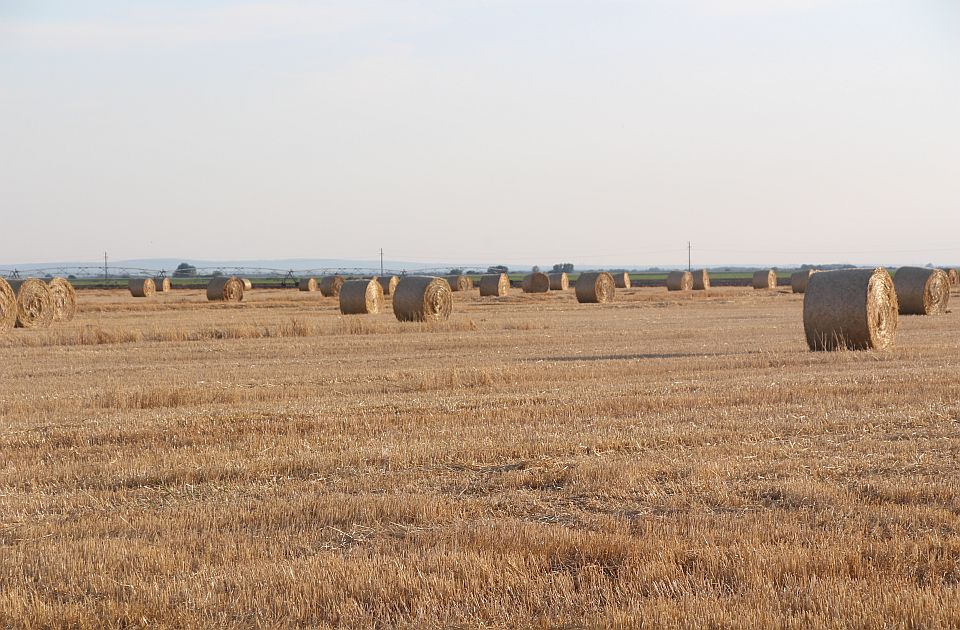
(954, 276)
(459, 283)
(496, 285)
(247, 284)
(422, 299)
(307, 284)
(766, 279)
(330, 285)
(621, 279)
(800, 279)
(388, 284)
(162, 284)
(854, 309)
(64, 298)
(536, 282)
(595, 287)
(8, 307)
(225, 289)
(922, 291)
(559, 281)
(679, 281)
(142, 287)
(701, 280)
(361, 297)
(34, 303)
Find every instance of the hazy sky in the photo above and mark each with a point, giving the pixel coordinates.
(765, 131)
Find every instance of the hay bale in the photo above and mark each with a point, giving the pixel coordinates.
(388, 284)
(559, 281)
(536, 282)
(954, 277)
(225, 289)
(162, 284)
(766, 279)
(800, 279)
(701, 280)
(596, 287)
(922, 291)
(64, 298)
(679, 281)
(459, 283)
(496, 285)
(247, 285)
(142, 287)
(855, 309)
(361, 297)
(34, 303)
(8, 307)
(307, 284)
(330, 285)
(422, 299)
(621, 279)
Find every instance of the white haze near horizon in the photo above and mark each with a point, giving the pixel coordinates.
(540, 132)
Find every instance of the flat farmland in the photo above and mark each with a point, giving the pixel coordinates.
(666, 460)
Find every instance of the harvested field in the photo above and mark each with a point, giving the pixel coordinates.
(672, 459)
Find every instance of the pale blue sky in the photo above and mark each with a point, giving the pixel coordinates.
(764, 131)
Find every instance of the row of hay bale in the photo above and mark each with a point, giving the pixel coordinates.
(33, 303)
(220, 288)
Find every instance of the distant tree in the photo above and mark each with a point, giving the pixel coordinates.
(498, 269)
(185, 270)
(568, 267)
(71, 277)
(456, 272)
(536, 269)
(217, 274)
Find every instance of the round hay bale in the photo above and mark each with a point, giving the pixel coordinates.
(422, 299)
(679, 281)
(64, 298)
(225, 289)
(800, 279)
(922, 291)
(701, 280)
(8, 307)
(596, 287)
(954, 276)
(162, 284)
(559, 281)
(330, 285)
(496, 285)
(361, 297)
(388, 284)
(307, 284)
(247, 285)
(536, 282)
(142, 287)
(34, 303)
(621, 279)
(854, 309)
(459, 283)
(766, 279)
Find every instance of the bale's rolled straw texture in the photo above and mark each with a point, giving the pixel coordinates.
(459, 283)
(330, 285)
(922, 291)
(954, 277)
(8, 307)
(596, 287)
(162, 284)
(559, 281)
(536, 282)
(142, 287)
(34, 303)
(701, 280)
(388, 284)
(800, 279)
(361, 297)
(496, 285)
(854, 309)
(679, 281)
(422, 299)
(64, 298)
(307, 284)
(247, 285)
(225, 289)
(621, 279)
(766, 279)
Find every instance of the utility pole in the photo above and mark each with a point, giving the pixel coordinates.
(106, 275)
(381, 262)
(689, 247)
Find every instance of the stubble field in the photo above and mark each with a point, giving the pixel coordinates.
(664, 461)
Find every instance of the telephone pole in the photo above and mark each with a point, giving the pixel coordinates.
(689, 247)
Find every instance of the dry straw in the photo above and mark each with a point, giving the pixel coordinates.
(388, 284)
(361, 297)
(225, 289)
(247, 285)
(422, 299)
(595, 287)
(8, 306)
(459, 283)
(330, 285)
(162, 284)
(34, 303)
(701, 280)
(854, 309)
(559, 281)
(496, 285)
(142, 287)
(954, 276)
(922, 291)
(621, 279)
(536, 282)
(766, 279)
(307, 284)
(679, 281)
(64, 298)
